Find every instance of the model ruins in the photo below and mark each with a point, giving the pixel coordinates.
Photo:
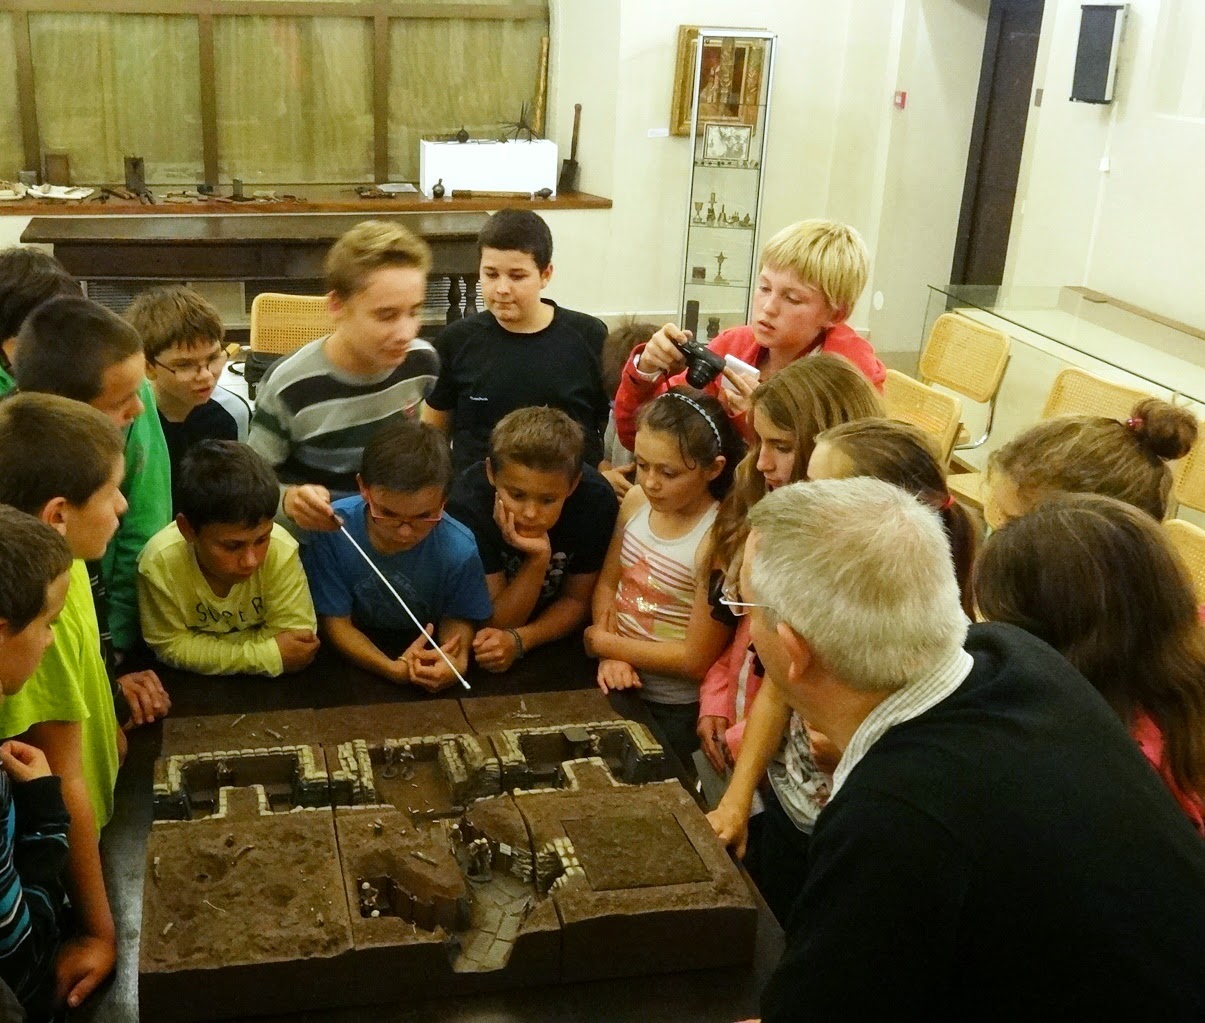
(352, 856)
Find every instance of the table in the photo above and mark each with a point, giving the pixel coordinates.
(720, 996)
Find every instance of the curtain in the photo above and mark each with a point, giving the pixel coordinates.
(445, 73)
(12, 157)
(109, 86)
(294, 99)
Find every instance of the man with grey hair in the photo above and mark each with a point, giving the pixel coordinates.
(995, 844)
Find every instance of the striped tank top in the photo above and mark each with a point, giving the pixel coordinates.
(656, 591)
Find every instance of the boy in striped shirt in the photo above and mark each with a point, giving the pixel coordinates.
(35, 564)
(317, 408)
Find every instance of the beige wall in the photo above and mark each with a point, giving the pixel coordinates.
(1134, 230)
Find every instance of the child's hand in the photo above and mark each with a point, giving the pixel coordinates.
(711, 729)
(309, 505)
(23, 762)
(730, 823)
(530, 546)
(298, 648)
(83, 962)
(621, 479)
(428, 670)
(146, 696)
(661, 355)
(737, 401)
(495, 649)
(614, 675)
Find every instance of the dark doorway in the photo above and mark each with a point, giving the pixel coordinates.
(998, 131)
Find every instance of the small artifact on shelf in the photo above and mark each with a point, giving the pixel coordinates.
(698, 273)
(711, 210)
(699, 211)
(723, 214)
(437, 189)
(719, 270)
(713, 327)
(747, 221)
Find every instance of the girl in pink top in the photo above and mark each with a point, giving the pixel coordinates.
(1098, 581)
(686, 451)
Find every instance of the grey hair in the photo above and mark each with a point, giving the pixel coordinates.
(862, 571)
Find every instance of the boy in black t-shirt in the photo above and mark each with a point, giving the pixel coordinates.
(521, 351)
(182, 337)
(543, 522)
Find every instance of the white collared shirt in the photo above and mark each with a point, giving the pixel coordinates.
(903, 705)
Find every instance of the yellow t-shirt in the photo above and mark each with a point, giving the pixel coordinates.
(190, 627)
(71, 685)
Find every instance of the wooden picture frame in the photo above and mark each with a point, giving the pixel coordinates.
(731, 77)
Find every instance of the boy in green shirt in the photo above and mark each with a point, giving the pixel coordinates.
(221, 589)
(81, 350)
(61, 462)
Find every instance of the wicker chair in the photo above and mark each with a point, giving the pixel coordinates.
(1189, 486)
(1189, 542)
(1074, 392)
(970, 358)
(931, 410)
(280, 324)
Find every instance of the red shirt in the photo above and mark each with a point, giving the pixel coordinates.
(1150, 740)
(635, 391)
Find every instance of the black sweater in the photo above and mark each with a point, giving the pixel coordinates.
(1007, 854)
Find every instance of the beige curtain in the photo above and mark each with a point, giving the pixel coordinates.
(294, 98)
(445, 73)
(111, 85)
(11, 152)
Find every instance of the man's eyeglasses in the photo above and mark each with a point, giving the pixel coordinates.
(193, 370)
(391, 521)
(739, 608)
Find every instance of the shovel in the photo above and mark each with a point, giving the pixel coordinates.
(567, 182)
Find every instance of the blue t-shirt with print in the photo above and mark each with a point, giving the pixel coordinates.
(440, 577)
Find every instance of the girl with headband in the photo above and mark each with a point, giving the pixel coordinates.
(686, 452)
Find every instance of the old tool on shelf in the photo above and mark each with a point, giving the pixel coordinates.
(570, 171)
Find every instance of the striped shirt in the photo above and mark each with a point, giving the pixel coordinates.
(33, 855)
(656, 591)
(312, 419)
(903, 705)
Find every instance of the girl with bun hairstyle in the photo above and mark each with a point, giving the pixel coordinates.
(905, 456)
(1097, 580)
(1091, 455)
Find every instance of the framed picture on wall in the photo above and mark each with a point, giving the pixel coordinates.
(727, 142)
(729, 85)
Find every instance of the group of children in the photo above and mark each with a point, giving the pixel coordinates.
(525, 478)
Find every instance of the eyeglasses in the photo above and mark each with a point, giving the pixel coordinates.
(739, 608)
(391, 521)
(192, 370)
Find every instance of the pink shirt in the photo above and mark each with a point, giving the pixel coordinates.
(1150, 740)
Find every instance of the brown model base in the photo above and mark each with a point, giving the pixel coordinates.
(352, 856)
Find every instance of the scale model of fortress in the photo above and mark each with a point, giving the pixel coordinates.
(359, 855)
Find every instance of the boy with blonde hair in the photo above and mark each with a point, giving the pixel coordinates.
(182, 338)
(221, 589)
(810, 277)
(317, 408)
(61, 461)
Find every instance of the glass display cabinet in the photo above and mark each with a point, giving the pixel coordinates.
(729, 107)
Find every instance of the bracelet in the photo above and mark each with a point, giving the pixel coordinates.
(519, 649)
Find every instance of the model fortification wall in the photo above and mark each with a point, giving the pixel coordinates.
(500, 842)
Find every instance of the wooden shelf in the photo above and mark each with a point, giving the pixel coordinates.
(320, 199)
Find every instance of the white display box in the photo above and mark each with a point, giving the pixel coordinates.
(488, 166)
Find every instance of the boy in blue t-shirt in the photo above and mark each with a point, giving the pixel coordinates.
(428, 557)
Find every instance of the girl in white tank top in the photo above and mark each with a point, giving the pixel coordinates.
(686, 450)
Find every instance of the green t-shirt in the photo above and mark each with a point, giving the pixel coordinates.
(71, 685)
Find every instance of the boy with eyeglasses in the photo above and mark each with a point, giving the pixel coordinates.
(182, 338)
(429, 558)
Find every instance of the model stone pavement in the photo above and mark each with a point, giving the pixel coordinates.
(313, 859)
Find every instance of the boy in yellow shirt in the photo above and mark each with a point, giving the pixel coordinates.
(61, 461)
(221, 590)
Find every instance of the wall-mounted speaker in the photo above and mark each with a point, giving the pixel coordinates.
(1096, 55)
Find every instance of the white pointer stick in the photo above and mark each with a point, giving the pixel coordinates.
(405, 607)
